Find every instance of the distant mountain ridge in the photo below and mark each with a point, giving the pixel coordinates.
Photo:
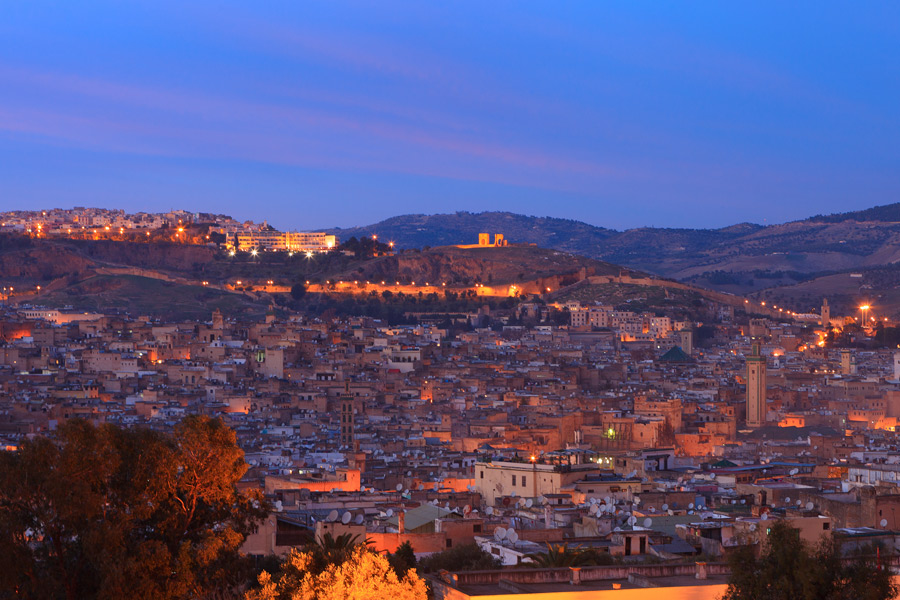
(739, 258)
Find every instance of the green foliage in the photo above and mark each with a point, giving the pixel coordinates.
(105, 512)
(560, 555)
(364, 247)
(789, 569)
(330, 550)
(298, 290)
(466, 557)
(403, 559)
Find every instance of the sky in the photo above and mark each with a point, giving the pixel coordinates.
(321, 114)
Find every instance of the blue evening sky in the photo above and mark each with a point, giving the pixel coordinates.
(317, 114)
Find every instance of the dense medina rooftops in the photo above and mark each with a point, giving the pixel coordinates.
(322, 413)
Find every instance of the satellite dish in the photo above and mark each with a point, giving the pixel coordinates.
(543, 500)
(489, 510)
(799, 502)
(653, 509)
(671, 513)
(794, 471)
(884, 522)
(764, 517)
(787, 500)
(512, 494)
(529, 503)
(399, 487)
(607, 500)
(752, 526)
(359, 519)
(436, 487)
(512, 536)
(467, 509)
(332, 517)
(278, 506)
(743, 500)
(632, 520)
(409, 473)
(421, 487)
(390, 512)
(637, 500)
(665, 507)
(691, 505)
(345, 518)
(500, 533)
(405, 492)
(690, 512)
(648, 523)
(594, 509)
(810, 506)
(434, 502)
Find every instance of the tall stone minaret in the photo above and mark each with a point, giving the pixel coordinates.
(756, 388)
(825, 313)
(348, 404)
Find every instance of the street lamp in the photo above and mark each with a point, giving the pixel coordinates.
(864, 310)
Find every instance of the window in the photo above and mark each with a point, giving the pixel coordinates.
(523, 481)
(482, 474)
(449, 543)
(826, 526)
(514, 479)
(476, 528)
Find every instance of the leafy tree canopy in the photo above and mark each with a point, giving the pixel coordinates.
(789, 569)
(105, 512)
(363, 575)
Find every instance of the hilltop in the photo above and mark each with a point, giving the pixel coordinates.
(740, 259)
(187, 281)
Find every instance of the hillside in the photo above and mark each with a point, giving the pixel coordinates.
(468, 266)
(739, 259)
(185, 281)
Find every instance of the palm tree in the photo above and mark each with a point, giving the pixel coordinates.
(560, 555)
(330, 550)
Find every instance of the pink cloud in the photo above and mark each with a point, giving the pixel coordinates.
(211, 121)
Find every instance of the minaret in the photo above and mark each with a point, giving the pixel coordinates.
(686, 337)
(848, 362)
(825, 313)
(348, 437)
(756, 389)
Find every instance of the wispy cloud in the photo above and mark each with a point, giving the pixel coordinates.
(177, 122)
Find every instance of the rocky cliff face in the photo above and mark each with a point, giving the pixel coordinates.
(42, 263)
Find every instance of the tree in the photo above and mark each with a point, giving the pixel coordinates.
(560, 555)
(364, 575)
(465, 557)
(298, 290)
(789, 569)
(105, 512)
(329, 550)
(403, 559)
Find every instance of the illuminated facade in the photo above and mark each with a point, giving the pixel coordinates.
(293, 241)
